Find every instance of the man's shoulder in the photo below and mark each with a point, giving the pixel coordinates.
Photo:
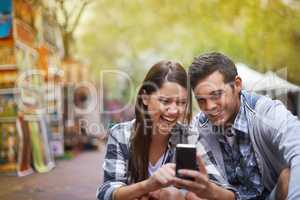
(253, 99)
(266, 105)
(272, 113)
(250, 98)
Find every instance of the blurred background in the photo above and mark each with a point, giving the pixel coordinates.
(69, 70)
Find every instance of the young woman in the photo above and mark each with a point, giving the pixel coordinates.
(139, 153)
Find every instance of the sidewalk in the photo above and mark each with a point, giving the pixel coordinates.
(75, 179)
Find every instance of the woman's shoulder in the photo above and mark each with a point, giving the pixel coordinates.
(121, 131)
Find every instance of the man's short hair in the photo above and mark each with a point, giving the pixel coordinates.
(206, 64)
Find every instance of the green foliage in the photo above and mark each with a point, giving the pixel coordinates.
(261, 33)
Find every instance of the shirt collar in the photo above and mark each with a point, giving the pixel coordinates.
(240, 122)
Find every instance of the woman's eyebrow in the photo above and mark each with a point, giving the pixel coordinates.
(171, 97)
(216, 92)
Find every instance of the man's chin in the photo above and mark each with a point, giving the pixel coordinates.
(218, 122)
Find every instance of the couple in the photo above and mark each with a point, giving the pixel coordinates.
(248, 145)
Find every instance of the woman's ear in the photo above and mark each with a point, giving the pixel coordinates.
(145, 99)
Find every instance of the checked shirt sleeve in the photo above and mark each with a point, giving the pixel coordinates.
(114, 166)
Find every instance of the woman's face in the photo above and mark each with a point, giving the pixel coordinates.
(166, 106)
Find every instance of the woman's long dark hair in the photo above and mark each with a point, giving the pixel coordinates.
(161, 72)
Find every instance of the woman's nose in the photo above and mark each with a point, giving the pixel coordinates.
(173, 109)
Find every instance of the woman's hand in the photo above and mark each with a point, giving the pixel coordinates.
(163, 177)
(145, 197)
(155, 195)
(167, 193)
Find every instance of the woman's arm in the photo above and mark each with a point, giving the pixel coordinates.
(130, 192)
(162, 178)
(115, 171)
(114, 166)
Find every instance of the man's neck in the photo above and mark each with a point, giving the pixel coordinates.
(233, 117)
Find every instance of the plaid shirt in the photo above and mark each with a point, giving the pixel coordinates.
(240, 163)
(117, 155)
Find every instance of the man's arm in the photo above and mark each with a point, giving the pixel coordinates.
(280, 130)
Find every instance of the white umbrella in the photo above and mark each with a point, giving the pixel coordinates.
(255, 81)
(273, 82)
(250, 77)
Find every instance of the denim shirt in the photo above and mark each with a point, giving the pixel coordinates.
(239, 158)
(273, 134)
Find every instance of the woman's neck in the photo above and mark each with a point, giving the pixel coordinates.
(158, 147)
(160, 139)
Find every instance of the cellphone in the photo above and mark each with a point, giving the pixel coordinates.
(185, 158)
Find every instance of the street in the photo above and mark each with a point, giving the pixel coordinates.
(75, 179)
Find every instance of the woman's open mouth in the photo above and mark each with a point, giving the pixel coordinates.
(168, 120)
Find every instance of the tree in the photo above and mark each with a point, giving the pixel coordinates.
(68, 13)
(261, 33)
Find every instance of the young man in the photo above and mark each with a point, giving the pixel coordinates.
(252, 141)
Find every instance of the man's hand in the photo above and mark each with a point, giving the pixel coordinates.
(201, 187)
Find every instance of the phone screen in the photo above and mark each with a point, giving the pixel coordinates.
(185, 158)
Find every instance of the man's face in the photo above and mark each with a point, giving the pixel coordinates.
(219, 101)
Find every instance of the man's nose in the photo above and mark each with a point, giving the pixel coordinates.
(210, 105)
